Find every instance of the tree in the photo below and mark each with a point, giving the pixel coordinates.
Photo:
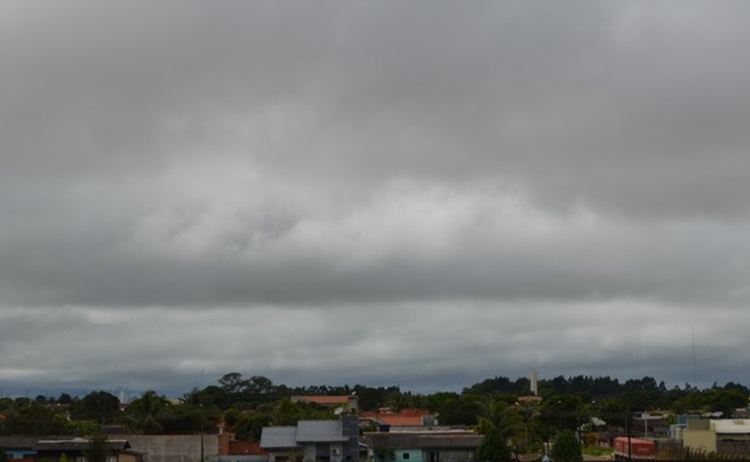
(493, 448)
(100, 406)
(566, 448)
(35, 419)
(232, 382)
(97, 449)
(144, 414)
(250, 426)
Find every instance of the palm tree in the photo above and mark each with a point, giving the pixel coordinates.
(144, 413)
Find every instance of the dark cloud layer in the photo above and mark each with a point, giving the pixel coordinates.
(403, 184)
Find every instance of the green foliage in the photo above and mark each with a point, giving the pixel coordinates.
(182, 419)
(232, 382)
(455, 409)
(35, 419)
(97, 449)
(597, 451)
(83, 428)
(385, 454)
(98, 405)
(144, 414)
(566, 448)
(250, 425)
(286, 412)
(490, 405)
(6, 403)
(493, 448)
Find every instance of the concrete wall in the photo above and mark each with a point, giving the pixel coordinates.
(173, 448)
(704, 440)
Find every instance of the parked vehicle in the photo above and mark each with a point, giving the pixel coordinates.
(638, 449)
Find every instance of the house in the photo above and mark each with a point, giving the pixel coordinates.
(75, 450)
(423, 446)
(19, 448)
(726, 437)
(348, 403)
(313, 440)
(403, 418)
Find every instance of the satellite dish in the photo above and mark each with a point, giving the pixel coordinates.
(338, 411)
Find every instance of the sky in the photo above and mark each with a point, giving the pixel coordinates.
(423, 194)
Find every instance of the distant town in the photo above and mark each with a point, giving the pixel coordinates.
(255, 420)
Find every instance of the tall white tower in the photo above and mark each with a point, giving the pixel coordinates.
(534, 382)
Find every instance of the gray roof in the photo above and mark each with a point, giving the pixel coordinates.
(278, 437)
(77, 444)
(320, 431)
(306, 431)
(18, 442)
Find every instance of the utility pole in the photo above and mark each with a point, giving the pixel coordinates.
(627, 430)
(201, 417)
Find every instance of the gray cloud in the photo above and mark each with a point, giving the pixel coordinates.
(330, 167)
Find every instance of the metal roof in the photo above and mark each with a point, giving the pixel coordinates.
(278, 437)
(320, 431)
(78, 444)
(736, 426)
(18, 442)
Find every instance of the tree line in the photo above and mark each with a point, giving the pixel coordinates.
(245, 405)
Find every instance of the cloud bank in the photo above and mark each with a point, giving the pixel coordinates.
(420, 194)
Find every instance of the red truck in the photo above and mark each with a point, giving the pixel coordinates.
(639, 449)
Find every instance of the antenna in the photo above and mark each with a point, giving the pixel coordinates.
(694, 384)
(338, 411)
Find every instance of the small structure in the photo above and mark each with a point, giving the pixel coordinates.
(313, 440)
(423, 446)
(75, 450)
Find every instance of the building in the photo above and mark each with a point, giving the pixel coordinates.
(411, 418)
(726, 437)
(19, 448)
(175, 448)
(313, 440)
(423, 446)
(75, 450)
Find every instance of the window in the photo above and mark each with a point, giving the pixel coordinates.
(405, 456)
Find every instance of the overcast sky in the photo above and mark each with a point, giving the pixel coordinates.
(422, 193)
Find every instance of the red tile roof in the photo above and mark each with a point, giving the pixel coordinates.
(404, 418)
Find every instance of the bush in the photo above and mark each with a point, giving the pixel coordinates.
(493, 448)
(566, 448)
